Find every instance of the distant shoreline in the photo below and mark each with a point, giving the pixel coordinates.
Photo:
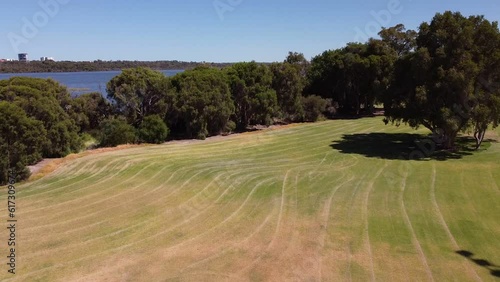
(69, 66)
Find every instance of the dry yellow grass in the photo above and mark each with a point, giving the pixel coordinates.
(275, 205)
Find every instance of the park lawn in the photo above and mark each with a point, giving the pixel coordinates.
(335, 200)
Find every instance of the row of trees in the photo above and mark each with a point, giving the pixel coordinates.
(358, 75)
(209, 101)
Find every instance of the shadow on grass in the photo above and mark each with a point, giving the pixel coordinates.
(401, 146)
(494, 269)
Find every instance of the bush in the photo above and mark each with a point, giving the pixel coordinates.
(116, 132)
(314, 106)
(153, 130)
(230, 127)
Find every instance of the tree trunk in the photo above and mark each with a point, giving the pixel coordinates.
(479, 136)
(449, 142)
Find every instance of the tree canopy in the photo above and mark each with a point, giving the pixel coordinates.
(448, 83)
(139, 92)
(254, 98)
(50, 103)
(289, 80)
(204, 105)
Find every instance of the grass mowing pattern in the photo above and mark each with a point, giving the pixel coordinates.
(288, 204)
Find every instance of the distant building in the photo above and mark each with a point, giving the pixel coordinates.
(3, 60)
(23, 57)
(50, 59)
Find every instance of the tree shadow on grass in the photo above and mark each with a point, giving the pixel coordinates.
(494, 269)
(401, 146)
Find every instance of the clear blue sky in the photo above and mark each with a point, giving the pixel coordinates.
(195, 30)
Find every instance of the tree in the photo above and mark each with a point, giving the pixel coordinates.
(116, 132)
(353, 77)
(289, 81)
(50, 103)
(402, 41)
(89, 110)
(21, 141)
(323, 78)
(298, 60)
(251, 89)
(314, 106)
(204, 105)
(484, 108)
(153, 130)
(139, 92)
(439, 85)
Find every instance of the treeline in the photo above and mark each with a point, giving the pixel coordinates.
(209, 101)
(68, 66)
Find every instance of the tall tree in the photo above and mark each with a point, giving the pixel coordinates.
(204, 105)
(50, 103)
(251, 88)
(288, 83)
(354, 77)
(139, 92)
(402, 41)
(438, 86)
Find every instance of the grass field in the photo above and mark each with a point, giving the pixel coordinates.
(331, 201)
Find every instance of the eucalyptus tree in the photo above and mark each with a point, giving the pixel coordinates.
(449, 83)
(254, 98)
(139, 92)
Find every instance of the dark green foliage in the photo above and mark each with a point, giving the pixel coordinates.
(264, 107)
(116, 132)
(254, 99)
(399, 39)
(21, 141)
(49, 102)
(449, 83)
(153, 130)
(314, 107)
(289, 82)
(139, 92)
(89, 110)
(36, 123)
(354, 77)
(230, 127)
(204, 105)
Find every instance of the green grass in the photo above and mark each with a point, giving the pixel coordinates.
(329, 201)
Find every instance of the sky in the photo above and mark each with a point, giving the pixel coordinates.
(206, 30)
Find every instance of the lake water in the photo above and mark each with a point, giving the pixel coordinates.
(81, 82)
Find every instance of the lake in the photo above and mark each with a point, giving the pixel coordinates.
(79, 83)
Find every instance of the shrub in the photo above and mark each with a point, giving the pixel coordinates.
(153, 130)
(314, 106)
(230, 127)
(116, 132)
